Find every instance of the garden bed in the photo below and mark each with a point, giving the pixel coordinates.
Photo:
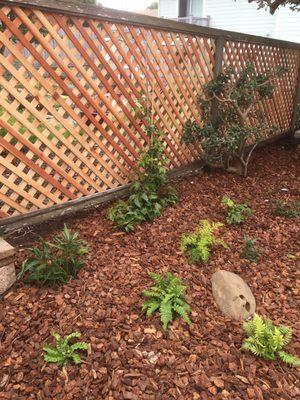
(130, 356)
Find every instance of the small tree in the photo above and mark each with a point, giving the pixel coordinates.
(232, 117)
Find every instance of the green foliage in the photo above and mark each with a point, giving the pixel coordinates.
(228, 104)
(288, 210)
(93, 2)
(236, 213)
(250, 251)
(198, 244)
(64, 350)
(153, 6)
(294, 5)
(150, 193)
(167, 297)
(267, 341)
(56, 262)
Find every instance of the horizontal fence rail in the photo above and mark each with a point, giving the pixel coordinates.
(72, 76)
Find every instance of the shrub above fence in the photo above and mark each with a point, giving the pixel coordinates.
(70, 81)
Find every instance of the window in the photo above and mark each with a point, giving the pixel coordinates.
(184, 9)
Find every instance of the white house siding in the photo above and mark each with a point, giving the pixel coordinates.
(168, 8)
(240, 16)
(288, 25)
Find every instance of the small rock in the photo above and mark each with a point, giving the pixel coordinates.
(218, 382)
(7, 277)
(149, 330)
(232, 295)
(297, 134)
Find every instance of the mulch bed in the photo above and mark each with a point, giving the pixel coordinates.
(130, 356)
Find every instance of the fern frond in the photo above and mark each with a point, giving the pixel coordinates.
(289, 359)
(79, 346)
(287, 333)
(73, 335)
(182, 311)
(166, 314)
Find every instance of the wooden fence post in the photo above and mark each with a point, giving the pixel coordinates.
(220, 42)
(296, 105)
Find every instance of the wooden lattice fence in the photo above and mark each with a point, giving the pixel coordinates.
(70, 82)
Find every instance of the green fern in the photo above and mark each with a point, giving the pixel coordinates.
(267, 341)
(63, 351)
(198, 244)
(167, 297)
(236, 213)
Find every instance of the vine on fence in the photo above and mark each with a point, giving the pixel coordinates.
(150, 192)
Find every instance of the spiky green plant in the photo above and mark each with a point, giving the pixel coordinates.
(167, 297)
(267, 340)
(64, 351)
(250, 251)
(198, 244)
(55, 262)
(236, 213)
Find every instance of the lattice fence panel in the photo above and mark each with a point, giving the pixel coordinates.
(69, 89)
(69, 86)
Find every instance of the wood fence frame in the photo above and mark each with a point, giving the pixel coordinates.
(122, 17)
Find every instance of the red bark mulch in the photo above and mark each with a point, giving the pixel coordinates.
(130, 356)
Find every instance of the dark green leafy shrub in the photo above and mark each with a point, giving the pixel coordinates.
(56, 262)
(64, 351)
(267, 341)
(198, 244)
(233, 119)
(150, 194)
(288, 210)
(167, 297)
(236, 213)
(250, 251)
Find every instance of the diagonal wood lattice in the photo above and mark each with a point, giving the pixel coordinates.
(69, 88)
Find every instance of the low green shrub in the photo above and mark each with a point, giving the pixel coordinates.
(198, 244)
(167, 297)
(55, 262)
(267, 340)
(250, 251)
(288, 210)
(64, 351)
(150, 194)
(236, 213)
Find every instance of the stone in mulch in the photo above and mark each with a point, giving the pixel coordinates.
(232, 295)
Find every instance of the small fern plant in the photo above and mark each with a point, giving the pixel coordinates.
(250, 251)
(267, 341)
(167, 297)
(64, 350)
(198, 244)
(236, 213)
(288, 210)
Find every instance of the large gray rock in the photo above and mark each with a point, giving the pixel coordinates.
(232, 295)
